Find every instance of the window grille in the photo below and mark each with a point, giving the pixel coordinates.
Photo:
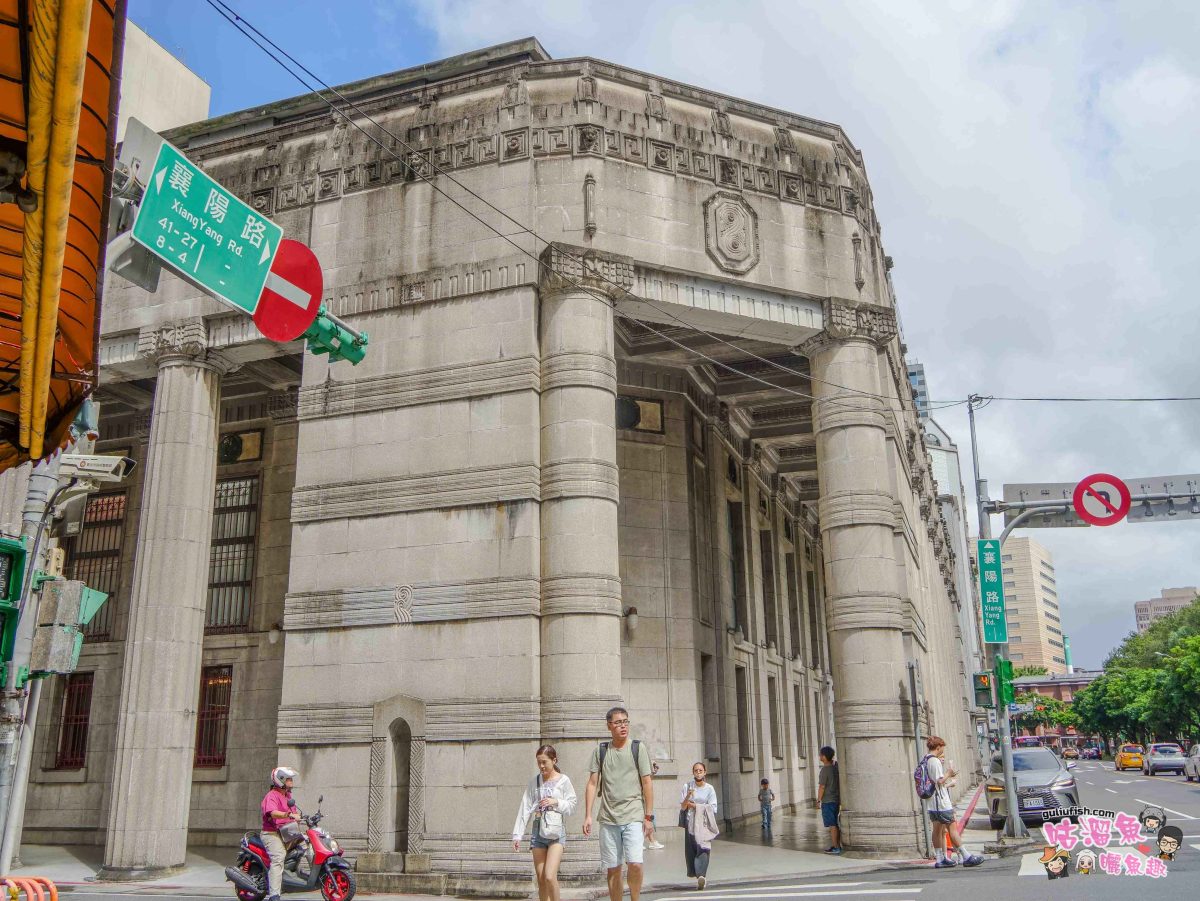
(231, 557)
(212, 721)
(95, 556)
(73, 731)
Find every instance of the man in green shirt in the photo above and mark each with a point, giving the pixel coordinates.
(626, 803)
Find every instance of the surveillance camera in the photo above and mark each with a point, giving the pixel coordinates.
(94, 467)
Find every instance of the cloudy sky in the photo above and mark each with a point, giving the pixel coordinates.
(1030, 167)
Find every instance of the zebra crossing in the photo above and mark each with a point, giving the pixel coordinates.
(810, 890)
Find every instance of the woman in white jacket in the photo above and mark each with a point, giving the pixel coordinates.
(549, 792)
(699, 798)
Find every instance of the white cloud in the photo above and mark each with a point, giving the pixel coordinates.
(1033, 169)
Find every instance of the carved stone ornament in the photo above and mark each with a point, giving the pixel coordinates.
(849, 319)
(731, 232)
(568, 268)
(186, 338)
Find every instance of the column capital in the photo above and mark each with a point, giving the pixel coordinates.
(846, 320)
(185, 340)
(565, 268)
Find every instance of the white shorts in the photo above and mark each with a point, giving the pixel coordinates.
(621, 844)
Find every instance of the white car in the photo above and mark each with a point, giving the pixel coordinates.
(1191, 764)
(1163, 756)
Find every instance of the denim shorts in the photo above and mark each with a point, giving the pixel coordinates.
(621, 844)
(942, 816)
(538, 841)
(829, 813)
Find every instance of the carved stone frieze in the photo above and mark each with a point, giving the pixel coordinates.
(731, 232)
(568, 268)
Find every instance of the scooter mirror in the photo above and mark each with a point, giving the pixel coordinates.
(320, 798)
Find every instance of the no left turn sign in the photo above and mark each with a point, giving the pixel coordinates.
(1101, 500)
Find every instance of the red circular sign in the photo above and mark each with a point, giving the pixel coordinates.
(292, 295)
(1101, 499)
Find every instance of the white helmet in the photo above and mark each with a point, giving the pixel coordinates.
(281, 774)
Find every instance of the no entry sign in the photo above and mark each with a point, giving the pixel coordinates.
(292, 294)
(1101, 499)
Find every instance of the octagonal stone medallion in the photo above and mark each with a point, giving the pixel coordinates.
(731, 232)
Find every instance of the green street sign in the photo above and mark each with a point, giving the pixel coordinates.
(991, 591)
(203, 232)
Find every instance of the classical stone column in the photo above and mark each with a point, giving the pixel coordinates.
(865, 612)
(156, 728)
(581, 588)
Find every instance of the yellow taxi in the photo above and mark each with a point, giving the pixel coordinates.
(1129, 757)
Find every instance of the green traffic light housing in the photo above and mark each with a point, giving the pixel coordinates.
(1004, 681)
(13, 559)
(330, 335)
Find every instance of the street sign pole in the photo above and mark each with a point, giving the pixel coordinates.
(1014, 826)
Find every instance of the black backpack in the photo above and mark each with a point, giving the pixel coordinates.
(634, 746)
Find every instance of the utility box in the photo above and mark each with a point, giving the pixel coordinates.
(66, 607)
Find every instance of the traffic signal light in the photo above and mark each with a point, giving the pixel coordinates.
(983, 690)
(329, 335)
(1004, 681)
(12, 578)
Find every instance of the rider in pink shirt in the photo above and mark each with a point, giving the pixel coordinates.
(276, 810)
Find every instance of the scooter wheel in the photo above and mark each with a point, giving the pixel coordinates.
(338, 885)
(259, 876)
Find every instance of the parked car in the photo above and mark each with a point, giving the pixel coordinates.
(1043, 783)
(1091, 753)
(1163, 757)
(1191, 764)
(1070, 753)
(1129, 757)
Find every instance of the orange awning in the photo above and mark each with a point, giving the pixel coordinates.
(72, 373)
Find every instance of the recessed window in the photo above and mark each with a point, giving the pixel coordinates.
(212, 720)
(743, 711)
(773, 707)
(94, 556)
(73, 730)
(231, 556)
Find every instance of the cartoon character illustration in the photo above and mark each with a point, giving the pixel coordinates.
(1152, 819)
(1055, 860)
(1085, 862)
(1169, 840)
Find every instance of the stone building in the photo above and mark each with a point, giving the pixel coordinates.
(670, 458)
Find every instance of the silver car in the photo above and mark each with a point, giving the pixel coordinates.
(1044, 782)
(1165, 756)
(1191, 764)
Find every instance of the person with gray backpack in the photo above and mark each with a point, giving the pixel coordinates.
(933, 780)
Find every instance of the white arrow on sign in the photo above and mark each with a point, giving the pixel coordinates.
(158, 179)
(266, 252)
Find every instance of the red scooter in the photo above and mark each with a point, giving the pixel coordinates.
(328, 871)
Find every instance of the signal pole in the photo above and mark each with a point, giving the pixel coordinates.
(1014, 826)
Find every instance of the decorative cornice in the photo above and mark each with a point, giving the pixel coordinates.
(422, 386)
(324, 724)
(406, 494)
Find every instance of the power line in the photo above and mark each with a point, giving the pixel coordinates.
(231, 16)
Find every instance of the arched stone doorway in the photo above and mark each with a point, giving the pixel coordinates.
(396, 816)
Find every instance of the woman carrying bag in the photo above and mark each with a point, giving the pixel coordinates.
(698, 817)
(549, 798)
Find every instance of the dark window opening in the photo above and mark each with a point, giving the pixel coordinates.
(76, 713)
(793, 606)
(743, 711)
(737, 549)
(814, 621)
(773, 708)
(212, 721)
(766, 547)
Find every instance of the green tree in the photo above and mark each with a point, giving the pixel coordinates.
(1020, 671)
(1053, 713)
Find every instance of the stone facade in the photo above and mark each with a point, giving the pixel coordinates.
(465, 553)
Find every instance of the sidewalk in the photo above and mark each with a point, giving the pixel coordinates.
(747, 855)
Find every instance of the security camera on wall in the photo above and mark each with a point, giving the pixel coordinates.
(94, 467)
